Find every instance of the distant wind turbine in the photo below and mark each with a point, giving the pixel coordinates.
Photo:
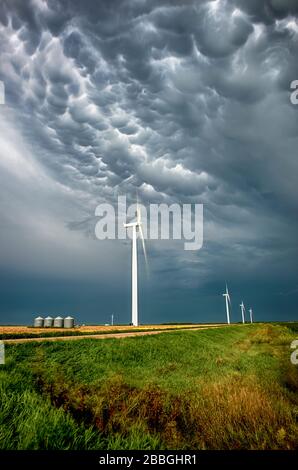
(136, 227)
(250, 314)
(228, 303)
(242, 311)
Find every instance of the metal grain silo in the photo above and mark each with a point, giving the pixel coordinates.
(38, 322)
(48, 322)
(68, 322)
(58, 322)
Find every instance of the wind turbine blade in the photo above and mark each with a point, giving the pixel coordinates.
(138, 216)
(144, 246)
(227, 293)
(138, 210)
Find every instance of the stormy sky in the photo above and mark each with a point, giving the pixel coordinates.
(180, 101)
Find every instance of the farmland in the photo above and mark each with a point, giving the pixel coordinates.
(19, 332)
(225, 388)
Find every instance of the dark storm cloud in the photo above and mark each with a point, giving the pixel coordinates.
(186, 100)
(267, 11)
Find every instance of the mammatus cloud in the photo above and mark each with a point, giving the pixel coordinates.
(183, 101)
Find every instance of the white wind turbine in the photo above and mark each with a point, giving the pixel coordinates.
(250, 315)
(136, 227)
(242, 311)
(228, 303)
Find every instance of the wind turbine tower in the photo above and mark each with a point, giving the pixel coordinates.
(228, 303)
(136, 227)
(250, 314)
(242, 311)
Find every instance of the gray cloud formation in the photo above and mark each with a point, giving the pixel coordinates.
(188, 101)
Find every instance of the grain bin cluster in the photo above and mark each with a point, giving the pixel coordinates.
(50, 322)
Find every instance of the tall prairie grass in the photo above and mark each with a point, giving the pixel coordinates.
(229, 388)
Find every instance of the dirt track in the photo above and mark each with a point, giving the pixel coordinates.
(105, 336)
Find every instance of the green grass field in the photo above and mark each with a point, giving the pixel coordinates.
(225, 388)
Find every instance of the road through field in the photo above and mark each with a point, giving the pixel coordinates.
(107, 335)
